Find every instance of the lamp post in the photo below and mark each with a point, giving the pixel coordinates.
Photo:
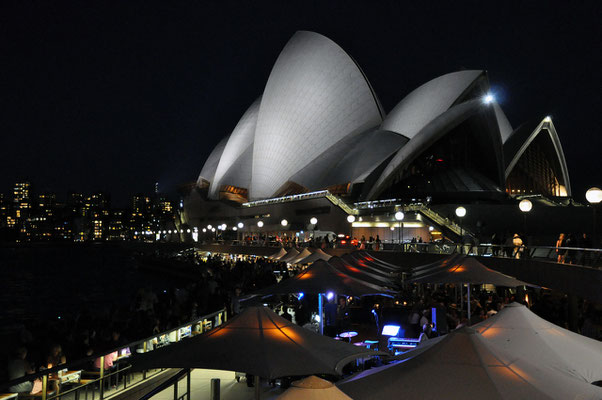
(313, 221)
(259, 226)
(399, 217)
(594, 197)
(461, 213)
(351, 220)
(525, 206)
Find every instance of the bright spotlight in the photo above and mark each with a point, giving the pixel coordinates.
(399, 216)
(284, 222)
(240, 225)
(187, 230)
(234, 228)
(259, 224)
(204, 230)
(300, 296)
(313, 220)
(488, 98)
(212, 229)
(351, 219)
(431, 228)
(209, 227)
(329, 295)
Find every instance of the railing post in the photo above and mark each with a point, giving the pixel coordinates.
(175, 390)
(102, 377)
(44, 387)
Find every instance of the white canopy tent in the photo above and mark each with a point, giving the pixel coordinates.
(291, 255)
(315, 256)
(278, 255)
(520, 332)
(464, 365)
(304, 254)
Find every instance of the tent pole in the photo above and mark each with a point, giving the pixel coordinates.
(320, 313)
(257, 387)
(461, 299)
(468, 305)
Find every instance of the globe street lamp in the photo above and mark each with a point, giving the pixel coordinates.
(594, 197)
(525, 206)
(399, 217)
(313, 221)
(461, 213)
(351, 219)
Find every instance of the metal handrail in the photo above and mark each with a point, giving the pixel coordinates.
(579, 256)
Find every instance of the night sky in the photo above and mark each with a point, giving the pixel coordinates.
(114, 96)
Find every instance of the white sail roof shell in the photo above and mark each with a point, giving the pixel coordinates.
(241, 139)
(208, 171)
(315, 96)
(428, 101)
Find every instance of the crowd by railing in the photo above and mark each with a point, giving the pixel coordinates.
(570, 255)
(102, 377)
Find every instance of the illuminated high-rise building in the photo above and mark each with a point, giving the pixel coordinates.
(22, 197)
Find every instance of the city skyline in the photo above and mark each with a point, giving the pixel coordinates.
(117, 106)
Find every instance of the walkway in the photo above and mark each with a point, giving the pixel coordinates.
(200, 387)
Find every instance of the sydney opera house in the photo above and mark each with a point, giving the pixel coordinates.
(318, 131)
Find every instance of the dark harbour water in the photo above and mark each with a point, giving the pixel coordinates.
(47, 282)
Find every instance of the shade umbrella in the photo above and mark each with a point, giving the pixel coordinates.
(321, 277)
(279, 254)
(313, 388)
(464, 269)
(304, 254)
(258, 342)
(291, 255)
(369, 266)
(361, 273)
(517, 330)
(318, 254)
(464, 365)
(427, 269)
(366, 257)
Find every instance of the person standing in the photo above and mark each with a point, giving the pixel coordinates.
(560, 252)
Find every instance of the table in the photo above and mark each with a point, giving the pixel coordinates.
(70, 377)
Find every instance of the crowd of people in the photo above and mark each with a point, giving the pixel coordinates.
(223, 282)
(90, 333)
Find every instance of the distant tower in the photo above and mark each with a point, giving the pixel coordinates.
(156, 187)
